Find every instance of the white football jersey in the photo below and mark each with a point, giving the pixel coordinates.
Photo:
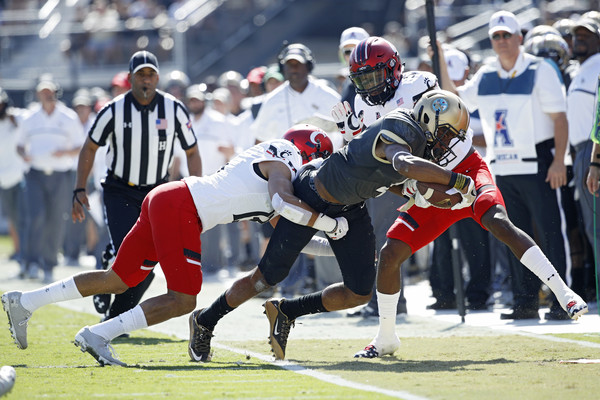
(238, 191)
(412, 86)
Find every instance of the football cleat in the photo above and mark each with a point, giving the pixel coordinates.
(576, 308)
(376, 349)
(18, 317)
(7, 379)
(98, 347)
(199, 345)
(279, 327)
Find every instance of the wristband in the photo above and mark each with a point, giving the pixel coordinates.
(458, 181)
(595, 164)
(75, 198)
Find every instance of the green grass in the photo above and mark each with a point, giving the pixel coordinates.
(490, 367)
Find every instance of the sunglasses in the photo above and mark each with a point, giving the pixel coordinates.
(503, 35)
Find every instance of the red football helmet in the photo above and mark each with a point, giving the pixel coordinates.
(312, 142)
(375, 70)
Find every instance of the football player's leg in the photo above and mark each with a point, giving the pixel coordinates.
(525, 249)
(20, 306)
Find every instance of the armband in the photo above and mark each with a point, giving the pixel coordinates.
(291, 212)
(595, 164)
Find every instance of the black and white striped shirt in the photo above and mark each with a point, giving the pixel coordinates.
(141, 138)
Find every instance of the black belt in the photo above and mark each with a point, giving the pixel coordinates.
(141, 188)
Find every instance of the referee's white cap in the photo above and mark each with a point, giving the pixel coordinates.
(142, 59)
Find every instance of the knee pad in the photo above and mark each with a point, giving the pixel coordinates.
(275, 268)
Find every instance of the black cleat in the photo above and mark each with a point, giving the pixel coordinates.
(199, 345)
(279, 327)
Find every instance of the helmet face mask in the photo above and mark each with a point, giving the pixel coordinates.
(375, 70)
(312, 142)
(445, 119)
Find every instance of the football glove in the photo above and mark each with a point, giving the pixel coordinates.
(410, 189)
(347, 123)
(467, 192)
(340, 230)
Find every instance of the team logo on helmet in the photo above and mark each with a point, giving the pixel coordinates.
(439, 105)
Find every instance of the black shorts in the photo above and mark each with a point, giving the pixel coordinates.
(355, 252)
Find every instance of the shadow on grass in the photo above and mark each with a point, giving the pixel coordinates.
(212, 366)
(394, 364)
(144, 341)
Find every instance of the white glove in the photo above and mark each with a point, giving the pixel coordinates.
(347, 123)
(410, 189)
(340, 230)
(468, 196)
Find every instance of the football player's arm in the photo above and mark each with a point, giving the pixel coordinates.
(419, 169)
(286, 204)
(414, 167)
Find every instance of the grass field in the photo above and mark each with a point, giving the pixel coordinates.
(487, 367)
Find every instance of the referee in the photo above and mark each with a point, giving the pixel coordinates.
(140, 128)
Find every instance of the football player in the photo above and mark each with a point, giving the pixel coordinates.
(381, 158)
(445, 120)
(255, 185)
(382, 85)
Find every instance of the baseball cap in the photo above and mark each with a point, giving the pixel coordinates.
(142, 59)
(298, 52)
(195, 92)
(352, 35)
(121, 80)
(256, 75)
(504, 21)
(588, 24)
(273, 72)
(457, 62)
(82, 97)
(45, 84)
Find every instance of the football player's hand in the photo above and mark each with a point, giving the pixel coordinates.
(468, 194)
(340, 230)
(409, 189)
(347, 123)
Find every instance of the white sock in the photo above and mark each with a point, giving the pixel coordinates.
(387, 304)
(53, 293)
(539, 264)
(127, 322)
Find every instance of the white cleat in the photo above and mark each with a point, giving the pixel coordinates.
(18, 317)
(7, 379)
(379, 348)
(98, 347)
(576, 308)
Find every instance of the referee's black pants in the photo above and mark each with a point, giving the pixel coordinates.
(123, 205)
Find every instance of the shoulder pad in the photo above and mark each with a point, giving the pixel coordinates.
(400, 127)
